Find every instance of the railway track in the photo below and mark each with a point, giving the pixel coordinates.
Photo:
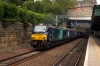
(73, 57)
(15, 60)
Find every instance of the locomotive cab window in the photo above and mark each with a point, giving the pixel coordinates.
(40, 28)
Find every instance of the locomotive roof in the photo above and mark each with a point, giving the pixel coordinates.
(46, 24)
(50, 25)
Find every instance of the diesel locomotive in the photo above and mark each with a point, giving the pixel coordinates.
(45, 36)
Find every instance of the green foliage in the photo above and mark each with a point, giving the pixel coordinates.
(1, 10)
(55, 9)
(71, 3)
(29, 5)
(13, 20)
(50, 19)
(6, 22)
(29, 16)
(37, 6)
(47, 6)
(16, 2)
(47, 1)
(36, 18)
(23, 17)
(40, 18)
(12, 11)
(10, 14)
(8, 10)
(66, 4)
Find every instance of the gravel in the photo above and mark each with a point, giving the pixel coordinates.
(49, 58)
(15, 50)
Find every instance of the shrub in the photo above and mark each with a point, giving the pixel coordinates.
(10, 11)
(29, 16)
(1, 10)
(23, 16)
(39, 17)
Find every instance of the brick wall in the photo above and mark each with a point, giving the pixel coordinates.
(14, 34)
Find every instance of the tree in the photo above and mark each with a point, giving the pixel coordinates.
(53, 7)
(47, 1)
(66, 4)
(29, 5)
(34, 6)
(16, 2)
(39, 7)
(71, 3)
(49, 18)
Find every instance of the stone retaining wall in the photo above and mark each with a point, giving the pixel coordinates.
(14, 34)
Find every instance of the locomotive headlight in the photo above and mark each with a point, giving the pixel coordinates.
(45, 38)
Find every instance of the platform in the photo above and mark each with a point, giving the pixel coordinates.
(93, 52)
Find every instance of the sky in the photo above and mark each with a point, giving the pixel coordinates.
(98, 1)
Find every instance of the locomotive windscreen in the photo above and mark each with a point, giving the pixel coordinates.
(40, 28)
